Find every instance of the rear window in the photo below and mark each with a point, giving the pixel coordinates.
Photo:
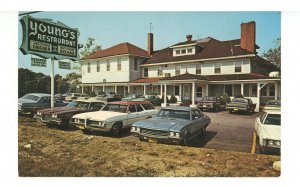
(148, 106)
(273, 119)
(31, 97)
(209, 99)
(240, 100)
(274, 103)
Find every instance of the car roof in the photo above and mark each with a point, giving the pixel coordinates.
(185, 108)
(130, 102)
(272, 111)
(274, 101)
(90, 100)
(39, 94)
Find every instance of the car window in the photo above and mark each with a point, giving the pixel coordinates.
(46, 100)
(132, 108)
(272, 103)
(148, 106)
(262, 117)
(96, 106)
(180, 114)
(115, 108)
(139, 108)
(31, 97)
(273, 119)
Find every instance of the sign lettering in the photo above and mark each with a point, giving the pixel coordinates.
(38, 62)
(64, 65)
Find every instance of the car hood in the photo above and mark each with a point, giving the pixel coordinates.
(166, 124)
(25, 101)
(59, 110)
(99, 115)
(271, 132)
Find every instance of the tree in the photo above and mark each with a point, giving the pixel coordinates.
(274, 55)
(89, 48)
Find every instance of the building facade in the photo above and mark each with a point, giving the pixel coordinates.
(192, 69)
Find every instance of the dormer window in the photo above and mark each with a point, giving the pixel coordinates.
(183, 51)
(177, 52)
(190, 50)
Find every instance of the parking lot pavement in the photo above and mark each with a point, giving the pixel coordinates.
(233, 132)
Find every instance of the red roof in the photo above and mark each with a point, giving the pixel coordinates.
(120, 49)
(146, 80)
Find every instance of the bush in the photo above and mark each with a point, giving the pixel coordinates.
(226, 97)
(163, 99)
(239, 95)
(173, 99)
(93, 94)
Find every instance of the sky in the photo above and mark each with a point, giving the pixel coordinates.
(111, 28)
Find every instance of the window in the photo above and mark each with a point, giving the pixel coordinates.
(190, 50)
(131, 108)
(98, 66)
(108, 66)
(139, 108)
(272, 90)
(89, 68)
(198, 69)
(176, 90)
(135, 64)
(96, 106)
(254, 90)
(183, 51)
(218, 67)
(167, 74)
(159, 72)
(148, 106)
(238, 67)
(199, 92)
(145, 72)
(263, 91)
(228, 89)
(119, 64)
(177, 52)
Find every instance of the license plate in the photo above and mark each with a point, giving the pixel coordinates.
(235, 109)
(152, 140)
(81, 127)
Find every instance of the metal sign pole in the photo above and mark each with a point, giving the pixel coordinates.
(52, 83)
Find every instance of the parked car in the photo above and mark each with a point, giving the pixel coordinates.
(172, 125)
(215, 103)
(61, 96)
(241, 104)
(273, 105)
(114, 116)
(154, 99)
(30, 103)
(109, 98)
(268, 130)
(131, 97)
(62, 115)
(74, 96)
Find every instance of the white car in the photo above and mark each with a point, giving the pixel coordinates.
(268, 130)
(114, 116)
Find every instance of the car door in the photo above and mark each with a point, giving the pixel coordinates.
(258, 123)
(132, 115)
(141, 113)
(45, 102)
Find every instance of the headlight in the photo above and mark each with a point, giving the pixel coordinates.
(138, 129)
(54, 115)
(172, 134)
(39, 113)
(277, 143)
(132, 128)
(270, 142)
(177, 135)
(76, 120)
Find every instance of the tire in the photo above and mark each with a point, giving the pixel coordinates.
(116, 129)
(230, 111)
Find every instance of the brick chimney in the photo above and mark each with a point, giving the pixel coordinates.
(189, 38)
(248, 36)
(150, 44)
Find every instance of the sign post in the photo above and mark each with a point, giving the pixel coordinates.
(49, 40)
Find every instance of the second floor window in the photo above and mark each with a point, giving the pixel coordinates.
(159, 72)
(198, 69)
(98, 66)
(218, 67)
(145, 72)
(177, 70)
(135, 64)
(107, 66)
(238, 67)
(89, 68)
(119, 64)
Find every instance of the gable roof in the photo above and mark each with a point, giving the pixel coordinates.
(120, 49)
(205, 48)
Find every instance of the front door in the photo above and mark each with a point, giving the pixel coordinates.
(186, 92)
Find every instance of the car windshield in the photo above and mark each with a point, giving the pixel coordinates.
(273, 119)
(78, 104)
(115, 108)
(274, 103)
(209, 99)
(180, 114)
(31, 97)
(240, 100)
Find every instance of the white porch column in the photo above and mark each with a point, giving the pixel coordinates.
(165, 96)
(258, 90)
(116, 89)
(276, 91)
(242, 88)
(193, 95)
(180, 92)
(206, 89)
(82, 89)
(128, 89)
(92, 88)
(103, 88)
(145, 86)
(161, 89)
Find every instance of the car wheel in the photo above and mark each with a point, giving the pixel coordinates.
(115, 130)
(230, 111)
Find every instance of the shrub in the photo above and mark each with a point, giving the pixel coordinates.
(163, 99)
(226, 97)
(93, 94)
(173, 99)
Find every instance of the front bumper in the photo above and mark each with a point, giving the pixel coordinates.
(206, 106)
(236, 109)
(271, 149)
(156, 139)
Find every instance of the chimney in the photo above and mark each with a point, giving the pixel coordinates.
(150, 43)
(248, 36)
(189, 38)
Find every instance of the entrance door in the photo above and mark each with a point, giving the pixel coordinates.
(228, 89)
(186, 92)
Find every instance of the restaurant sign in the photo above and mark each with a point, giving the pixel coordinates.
(40, 62)
(64, 65)
(47, 39)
